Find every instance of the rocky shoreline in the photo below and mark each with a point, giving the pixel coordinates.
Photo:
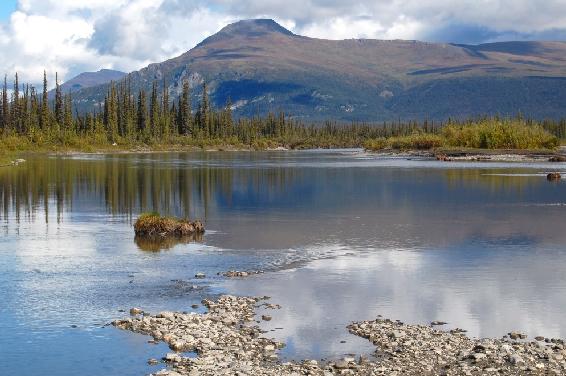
(480, 155)
(228, 341)
(15, 162)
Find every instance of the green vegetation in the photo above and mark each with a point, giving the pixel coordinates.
(493, 133)
(499, 134)
(31, 122)
(414, 141)
(153, 225)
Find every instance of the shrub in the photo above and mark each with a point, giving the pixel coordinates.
(499, 134)
(376, 144)
(415, 141)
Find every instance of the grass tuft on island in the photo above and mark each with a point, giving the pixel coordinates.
(153, 225)
(488, 134)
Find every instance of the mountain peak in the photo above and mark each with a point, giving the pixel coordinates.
(90, 79)
(255, 27)
(248, 28)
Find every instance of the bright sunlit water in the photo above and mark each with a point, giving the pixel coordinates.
(343, 236)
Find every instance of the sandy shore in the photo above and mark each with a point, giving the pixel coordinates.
(228, 341)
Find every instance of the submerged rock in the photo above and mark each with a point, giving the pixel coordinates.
(553, 176)
(438, 323)
(135, 311)
(240, 274)
(443, 158)
(517, 335)
(17, 162)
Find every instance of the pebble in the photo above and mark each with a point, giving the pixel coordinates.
(438, 323)
(17, 162)
(135, 311)
(517, 335)
(228, 342)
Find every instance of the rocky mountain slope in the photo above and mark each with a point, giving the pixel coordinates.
(260, 66)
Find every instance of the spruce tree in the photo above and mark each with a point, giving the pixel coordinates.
(44, 119)
(59, 114)
(5, 105)
(185, 118)
(228, 122)
(165, 116)
(142, 114)
(112, 114)
(204, 112)
(24, 112)
(35, 112)
(15, 116)
(68, 113)
(154, 112)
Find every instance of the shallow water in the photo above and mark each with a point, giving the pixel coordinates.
(344, 235)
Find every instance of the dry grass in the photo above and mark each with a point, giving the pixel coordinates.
(153, 225)
(488, 134)
(416, 141)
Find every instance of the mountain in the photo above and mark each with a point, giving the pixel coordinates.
(90, 79)
(261, 66)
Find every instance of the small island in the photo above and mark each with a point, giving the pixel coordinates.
(153, 225)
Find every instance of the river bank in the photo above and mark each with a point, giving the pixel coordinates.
(227, 340)
(11, 158)
(441, 154)
(480, 155)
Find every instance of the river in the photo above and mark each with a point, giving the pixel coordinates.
(342, 235)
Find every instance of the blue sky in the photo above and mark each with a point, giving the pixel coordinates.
(6, 8)
(73, 36)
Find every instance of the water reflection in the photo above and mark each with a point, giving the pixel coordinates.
(161, 243)
(193, 184)
(347, 236)
(517, 286)
(187, 185)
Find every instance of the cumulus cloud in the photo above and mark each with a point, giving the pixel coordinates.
(71, 36)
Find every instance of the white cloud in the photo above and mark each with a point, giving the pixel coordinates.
(70, 36)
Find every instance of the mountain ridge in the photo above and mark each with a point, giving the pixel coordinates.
(260, 66)
(90, 79)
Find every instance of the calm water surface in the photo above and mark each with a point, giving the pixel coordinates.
(343, 235)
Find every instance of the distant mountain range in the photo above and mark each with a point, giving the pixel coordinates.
(90, 79)
(260, 66)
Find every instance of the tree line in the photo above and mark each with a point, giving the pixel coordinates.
(138, 117)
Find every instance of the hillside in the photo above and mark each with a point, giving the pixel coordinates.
(90, 79)
(261, 66)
